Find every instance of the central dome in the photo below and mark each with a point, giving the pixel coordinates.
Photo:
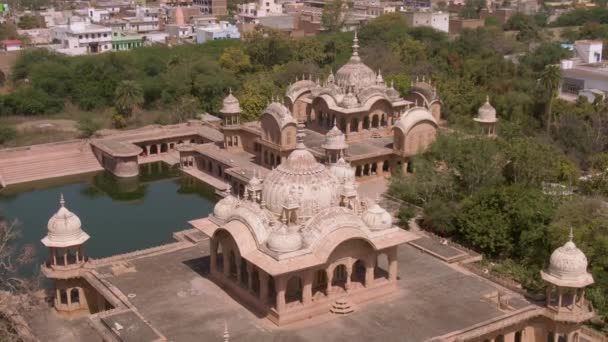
(300, 176)
(355, 72)
(64, 229)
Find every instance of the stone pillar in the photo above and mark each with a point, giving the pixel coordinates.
(280, 289)
(360, 124)
(54, 252)
(347, 131)
(559, 300)
(69, 295)
(392, 264)
(238, 269)
(213, 256)
(77, 254)
(249, 276)
(307, 288)
(510, 337)
(330, 278)
(379, 170)
(349, 271)
(263, 286)
(65, 256)
(369, 274)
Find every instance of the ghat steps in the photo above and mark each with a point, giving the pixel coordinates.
(46, 161)
(341, 307)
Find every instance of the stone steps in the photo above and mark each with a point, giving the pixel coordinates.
(341, 307)
(68, 160)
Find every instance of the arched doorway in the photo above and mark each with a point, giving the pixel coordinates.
(63, 296)
(374, 168)
(375, 121)
(319, 283)
(385, 166)
(293, 291)
(381, 269)
(164, 148)
(255, 281)
(339, 277)
(272, 292)
(358, 275)
(153, 149)
(366, 122)
(354, 125)
(358, 171)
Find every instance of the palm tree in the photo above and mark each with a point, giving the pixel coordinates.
(128, 95)
(550, 81)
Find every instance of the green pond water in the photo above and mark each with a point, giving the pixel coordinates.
(119, 215)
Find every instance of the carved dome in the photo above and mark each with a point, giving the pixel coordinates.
(486, 113)
(355, 71)
(377, 218)
(425, 88)
(392, 93)
(568, 264)
(349, 100)
(225, 207)
(284, 240)
(343, 171)
(334, 139)
(300, 175)
(230, 105)
(280, 113)
(64, 229)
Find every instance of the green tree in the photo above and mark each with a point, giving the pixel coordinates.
(334, 15)
(186, 108)
(235, 60)
(7, 134)
(27, 22)
(550, 80)
(128, 96)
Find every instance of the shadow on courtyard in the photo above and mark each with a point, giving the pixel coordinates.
(201, 267)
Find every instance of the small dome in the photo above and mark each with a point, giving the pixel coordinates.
(230, 105)
(64, 229)
(284, 240)
(334, 139)
(379, 79)
(224, 208)
(343, 171)
(350, 100)
(377, 218)
(568, 261)
(392, 93)
(486, 113)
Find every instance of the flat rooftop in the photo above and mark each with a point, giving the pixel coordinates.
(173, 294)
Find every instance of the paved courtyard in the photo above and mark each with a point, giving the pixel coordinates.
(172, 292)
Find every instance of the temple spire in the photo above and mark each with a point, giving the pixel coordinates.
(571, 235)
(300, 137)
(61, 200)
(355, 55)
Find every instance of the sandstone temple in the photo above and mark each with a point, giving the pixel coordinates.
(295, 249)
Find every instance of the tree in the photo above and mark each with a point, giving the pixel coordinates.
(27, 22)
(550, 80)
(334, 15)
(128, 96)
(235, 60)
(7, 134)
(186, 108)
(16, 293)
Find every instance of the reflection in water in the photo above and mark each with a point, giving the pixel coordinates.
(120, 215)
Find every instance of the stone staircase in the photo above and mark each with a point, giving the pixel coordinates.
(341, 307)
(46, 161)
(376, 135)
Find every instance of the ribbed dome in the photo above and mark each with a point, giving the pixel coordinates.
(64, 229)
(568, 261)
(343, 171)
(355, 72)
(392, 93)
(334, 139)
(230, 105)
(301, 176)
(486, 113)
(349, 100)
(284, 240)
(225, 207)
(377, 218)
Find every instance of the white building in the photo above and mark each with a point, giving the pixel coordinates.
(585, 74)
(82, 37)
(223, 30)
(440, 21)
(251, 11)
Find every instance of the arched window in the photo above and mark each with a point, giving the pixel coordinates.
(293, 291)
(339, 277)
(319, 283)
(63, 297)
(75, 296)
(358, 275)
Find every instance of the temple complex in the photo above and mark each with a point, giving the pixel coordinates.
(295, 248)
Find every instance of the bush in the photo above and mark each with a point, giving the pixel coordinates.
(119, 121)
(7, 133)
(88, 127)
(405, 214)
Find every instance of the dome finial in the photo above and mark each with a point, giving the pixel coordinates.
(487, 98)
(356, 45)
(61, 200)
(230, 90)
(226, 335)
(300, 137)
(571, 235)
